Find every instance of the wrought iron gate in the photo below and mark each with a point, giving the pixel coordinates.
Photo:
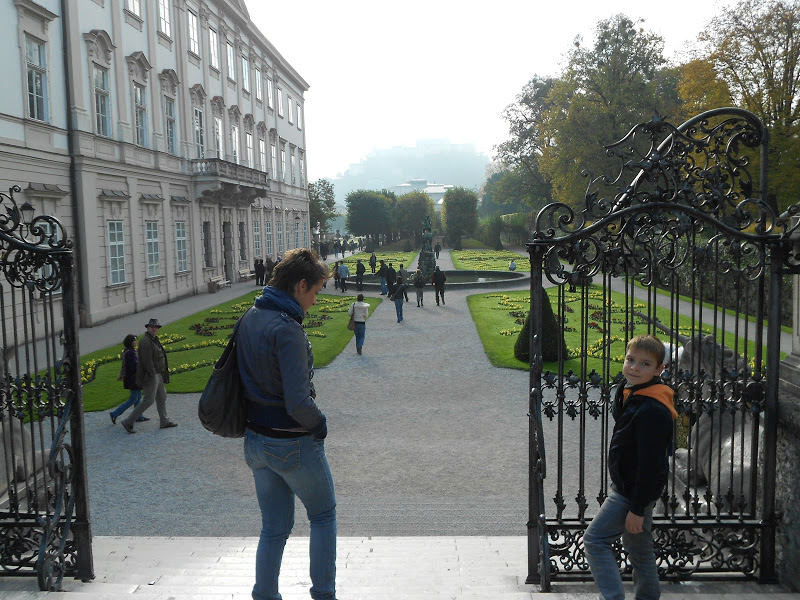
(44, 510)
(683, 242)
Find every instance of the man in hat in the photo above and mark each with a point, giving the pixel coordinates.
(152, 375)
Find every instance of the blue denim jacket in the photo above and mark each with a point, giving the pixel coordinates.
(276, 365)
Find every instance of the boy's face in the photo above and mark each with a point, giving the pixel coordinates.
(640, 366)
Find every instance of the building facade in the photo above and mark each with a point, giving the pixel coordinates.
(166, 135)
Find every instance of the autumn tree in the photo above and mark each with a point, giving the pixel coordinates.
(755, 48)
(321, 204)
(700, 89)
(459, 214)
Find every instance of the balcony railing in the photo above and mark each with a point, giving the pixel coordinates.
(215, 167)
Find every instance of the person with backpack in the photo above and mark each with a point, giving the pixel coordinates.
(382, 275)
(127, 375)
(360, 270)
(396, 295)
(419, 284)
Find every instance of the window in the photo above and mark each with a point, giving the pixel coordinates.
(231, 63)
(268, 236)
(242, 241)
(116, 253)
(134, 6)
(208, 255)
(299, 117)
(290, 106)
(199, 141)
(140, 114)
(270, 94)
(291, 169)
(218, 143)
(296, 233)
(245, 74)
(37, 79)
(283, 164)
(280, 102)
(256, 238)
(235, 143)
(301, 160)
(181, 253)
(262, 154)
(213, 41)
(279, 233)
(194, 36)
(102, 101)
(248, 141)
(171, 129)
(151, 248)
(259, 88)
(305, 234)
(274, 162)
(163, 18)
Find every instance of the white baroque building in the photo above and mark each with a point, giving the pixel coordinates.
(166, 135)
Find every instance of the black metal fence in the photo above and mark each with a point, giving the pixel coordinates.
(681, 242)
(44, 511)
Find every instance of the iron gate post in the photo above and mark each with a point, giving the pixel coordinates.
(81, 526)
(767, 573)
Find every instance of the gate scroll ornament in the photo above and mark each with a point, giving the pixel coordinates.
(44, 524)
(682, 241)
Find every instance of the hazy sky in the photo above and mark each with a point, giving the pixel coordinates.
(387, 74)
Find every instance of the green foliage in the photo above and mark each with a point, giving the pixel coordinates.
(488, 260)
(321, 204)
(491, 229)
(368, 213)
(459, 214)
(410, 212)
(551, 334)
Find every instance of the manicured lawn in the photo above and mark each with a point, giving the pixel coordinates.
(499, 317)
(194, 344)
(488, 260)
(396, 258)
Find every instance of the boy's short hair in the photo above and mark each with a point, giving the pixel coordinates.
(650, 344)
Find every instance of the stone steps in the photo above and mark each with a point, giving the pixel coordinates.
(391, 568)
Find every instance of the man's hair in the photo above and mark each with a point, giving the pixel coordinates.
(298, 264)
(650, 344)
(360, 297)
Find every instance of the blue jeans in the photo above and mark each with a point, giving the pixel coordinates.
(603, 531)
(133, 400)
(384, 289)
(283, 469)
(398, 307)
(361, 332)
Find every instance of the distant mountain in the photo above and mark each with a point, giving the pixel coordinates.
(435, 160)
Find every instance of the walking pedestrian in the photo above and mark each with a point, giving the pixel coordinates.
(360, 270)
(372, 262)
(396, 295)
(344, 273)
(437, 249)
(382, 276)
(359, 310)
(404, 274)
(438, 283)
(419, 285)
(127, 375)
(391, 275)
(336, 275)
(284, 439)
(152, 375)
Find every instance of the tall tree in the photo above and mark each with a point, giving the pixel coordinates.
(700, 89)
(755, 48)
(410, 212)
(459, 214)
(367, 213)
(606, 89)
(321, 204)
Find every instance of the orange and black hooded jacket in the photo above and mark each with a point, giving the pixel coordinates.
(638, 456)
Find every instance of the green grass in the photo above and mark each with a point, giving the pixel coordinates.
(192, 355)
(488, 260)
(472, 244)
(499, 317)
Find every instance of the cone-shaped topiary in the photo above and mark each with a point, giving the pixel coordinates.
(551, 334)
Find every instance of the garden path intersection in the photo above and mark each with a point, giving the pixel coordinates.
(428, 445)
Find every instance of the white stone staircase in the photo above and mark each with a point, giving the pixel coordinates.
(374, 568)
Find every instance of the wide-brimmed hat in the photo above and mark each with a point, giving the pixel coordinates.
(152, 323)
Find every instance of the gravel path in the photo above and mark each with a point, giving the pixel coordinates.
(425, 438)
